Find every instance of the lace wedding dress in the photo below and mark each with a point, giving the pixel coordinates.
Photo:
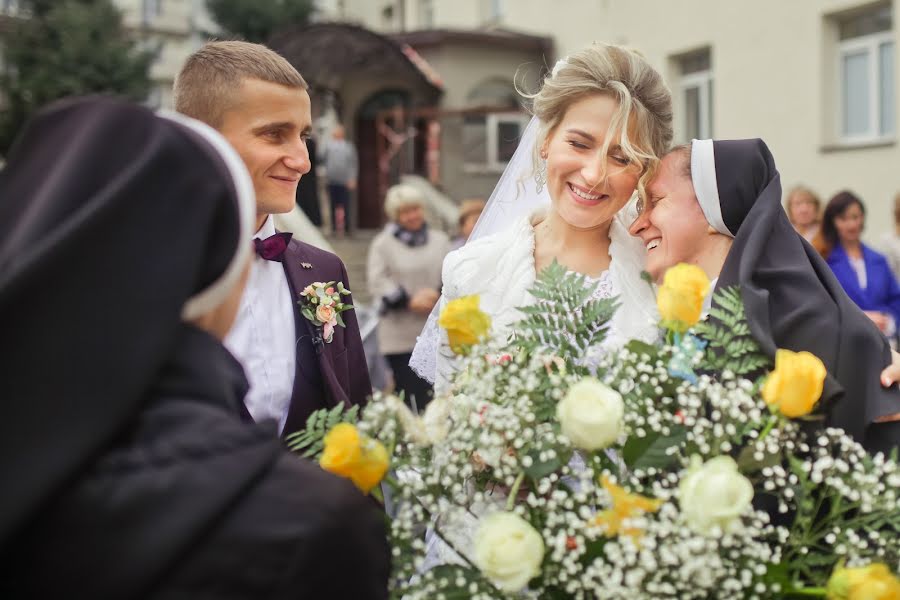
(500, 269)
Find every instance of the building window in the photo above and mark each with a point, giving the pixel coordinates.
(493, 10)
(14, 8)
(152, 10)
(866, 77)
(695, 96)
(426, 14)
(489, 141)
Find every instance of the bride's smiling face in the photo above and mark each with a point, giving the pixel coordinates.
(587, 186)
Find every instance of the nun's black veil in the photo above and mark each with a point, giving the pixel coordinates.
(111, 218)
(792, 299)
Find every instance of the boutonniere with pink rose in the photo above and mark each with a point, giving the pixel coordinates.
(321, 303)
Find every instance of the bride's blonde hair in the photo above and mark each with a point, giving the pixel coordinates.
(643, 100)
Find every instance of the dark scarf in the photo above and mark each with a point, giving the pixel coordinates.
(792, 299)
(413, 239)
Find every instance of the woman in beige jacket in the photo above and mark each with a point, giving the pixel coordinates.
(404, 273)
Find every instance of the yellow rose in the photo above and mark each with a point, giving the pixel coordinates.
(464, 322)
(795, 385)
(360, 459)
(872, 582)
(680, 298)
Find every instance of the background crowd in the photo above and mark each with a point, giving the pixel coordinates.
(868, 274)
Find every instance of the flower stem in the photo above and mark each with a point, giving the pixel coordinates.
(772, 420)
(514, 491)
(817, 592)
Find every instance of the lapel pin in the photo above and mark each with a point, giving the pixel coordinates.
(306, 265)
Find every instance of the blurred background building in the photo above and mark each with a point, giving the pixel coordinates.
(173, 29)
(428, 88)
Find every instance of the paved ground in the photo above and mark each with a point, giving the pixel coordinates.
(353, 250)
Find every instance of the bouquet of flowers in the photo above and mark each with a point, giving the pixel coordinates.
(669, 471)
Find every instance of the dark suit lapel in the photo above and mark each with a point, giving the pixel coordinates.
(298, 278)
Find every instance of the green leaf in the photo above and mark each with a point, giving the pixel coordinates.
(308, 442)
(449, 578)
(650, 450)
(540, 469)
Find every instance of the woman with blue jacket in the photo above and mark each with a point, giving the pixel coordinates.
(863, 272)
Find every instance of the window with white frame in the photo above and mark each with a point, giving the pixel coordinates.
(426, 14)
(152, 10)
(866, 77)
(695, 96)
(490, 140)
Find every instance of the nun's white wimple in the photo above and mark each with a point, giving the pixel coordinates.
(212, 296)
(706, 186)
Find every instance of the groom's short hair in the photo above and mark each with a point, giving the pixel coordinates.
(205, 87)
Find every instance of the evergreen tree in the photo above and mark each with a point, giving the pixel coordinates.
(257, 20)
(65, 48)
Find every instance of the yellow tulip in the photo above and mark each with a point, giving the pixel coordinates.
(624, 506)
(872, 582)
(465, 323)
(680, 298)
(360, 459)
(796, 384)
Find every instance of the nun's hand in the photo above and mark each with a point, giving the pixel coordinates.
(891, 373)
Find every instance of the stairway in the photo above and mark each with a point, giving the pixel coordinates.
(353, 250)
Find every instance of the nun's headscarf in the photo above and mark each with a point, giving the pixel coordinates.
(791, 297)
(115, 226)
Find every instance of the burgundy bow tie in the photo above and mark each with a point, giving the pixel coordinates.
(273, 247)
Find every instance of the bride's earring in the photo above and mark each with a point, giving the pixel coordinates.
(540, 176)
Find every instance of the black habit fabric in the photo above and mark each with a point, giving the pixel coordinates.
(128, 472)
(792, 299)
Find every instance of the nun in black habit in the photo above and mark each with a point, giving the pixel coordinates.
(127, 471)
(791, 298)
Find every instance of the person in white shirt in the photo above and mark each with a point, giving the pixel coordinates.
(260, 104)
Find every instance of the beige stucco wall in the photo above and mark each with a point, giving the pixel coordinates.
(773, 67)
(463, 69)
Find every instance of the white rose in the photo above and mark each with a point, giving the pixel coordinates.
(591, 414)
(508, 550)
(714, 494)
(437, 419)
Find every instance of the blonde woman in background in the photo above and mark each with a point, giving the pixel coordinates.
(404, 274)
(804, 210)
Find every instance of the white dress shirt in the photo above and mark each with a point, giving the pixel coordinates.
(263, 337)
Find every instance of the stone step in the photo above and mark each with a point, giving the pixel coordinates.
(353, 249)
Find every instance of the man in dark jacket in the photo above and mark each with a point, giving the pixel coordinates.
(260, 103)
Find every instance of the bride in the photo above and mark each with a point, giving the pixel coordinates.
(601, 120)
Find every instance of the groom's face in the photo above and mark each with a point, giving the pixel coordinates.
(671, 225)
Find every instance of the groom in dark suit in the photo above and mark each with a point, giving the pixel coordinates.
(260, 103)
